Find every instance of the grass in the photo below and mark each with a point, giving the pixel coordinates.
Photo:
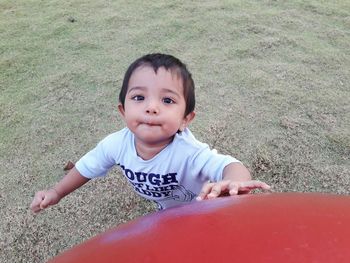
(272, 81)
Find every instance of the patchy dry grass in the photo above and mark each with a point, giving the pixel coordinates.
(272, 83)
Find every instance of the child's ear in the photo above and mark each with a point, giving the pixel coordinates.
(187, 120)
(121, 110)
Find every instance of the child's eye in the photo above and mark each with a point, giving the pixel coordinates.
(168, 101)
(138, 97)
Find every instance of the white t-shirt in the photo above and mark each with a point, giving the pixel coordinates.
(173, 177)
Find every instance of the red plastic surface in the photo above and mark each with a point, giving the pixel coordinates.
(285, 227)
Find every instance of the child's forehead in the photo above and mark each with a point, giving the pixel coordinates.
(150, 70)
(147, 72)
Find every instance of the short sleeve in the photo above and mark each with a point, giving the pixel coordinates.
(98, 161)
(211, 164)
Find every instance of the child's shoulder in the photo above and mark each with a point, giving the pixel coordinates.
(120, 135)
(187, 139)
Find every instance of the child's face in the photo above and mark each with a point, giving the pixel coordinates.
(154, 106)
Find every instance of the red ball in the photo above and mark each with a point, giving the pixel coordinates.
(283, 227)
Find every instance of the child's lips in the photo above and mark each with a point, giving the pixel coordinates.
(151, 124)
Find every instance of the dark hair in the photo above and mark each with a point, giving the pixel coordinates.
(169, 63)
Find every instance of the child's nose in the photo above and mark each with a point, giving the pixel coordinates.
(152, 108)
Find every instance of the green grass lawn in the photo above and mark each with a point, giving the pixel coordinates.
(272, 83)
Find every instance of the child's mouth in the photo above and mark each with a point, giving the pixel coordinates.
(151, 124)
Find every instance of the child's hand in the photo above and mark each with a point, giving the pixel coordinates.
(229, 187)
(43, 199)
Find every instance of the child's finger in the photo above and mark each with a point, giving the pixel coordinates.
(205, 191)
(233, 188)
(39, 196)
(265, 186)
(35, 205)
(250, 185)
(45, 202)
(262, 185)
(218, 188)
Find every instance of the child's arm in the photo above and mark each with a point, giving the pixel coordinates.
(236, 179)
(52, 196)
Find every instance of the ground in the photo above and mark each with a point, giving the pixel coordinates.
(272, 85)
